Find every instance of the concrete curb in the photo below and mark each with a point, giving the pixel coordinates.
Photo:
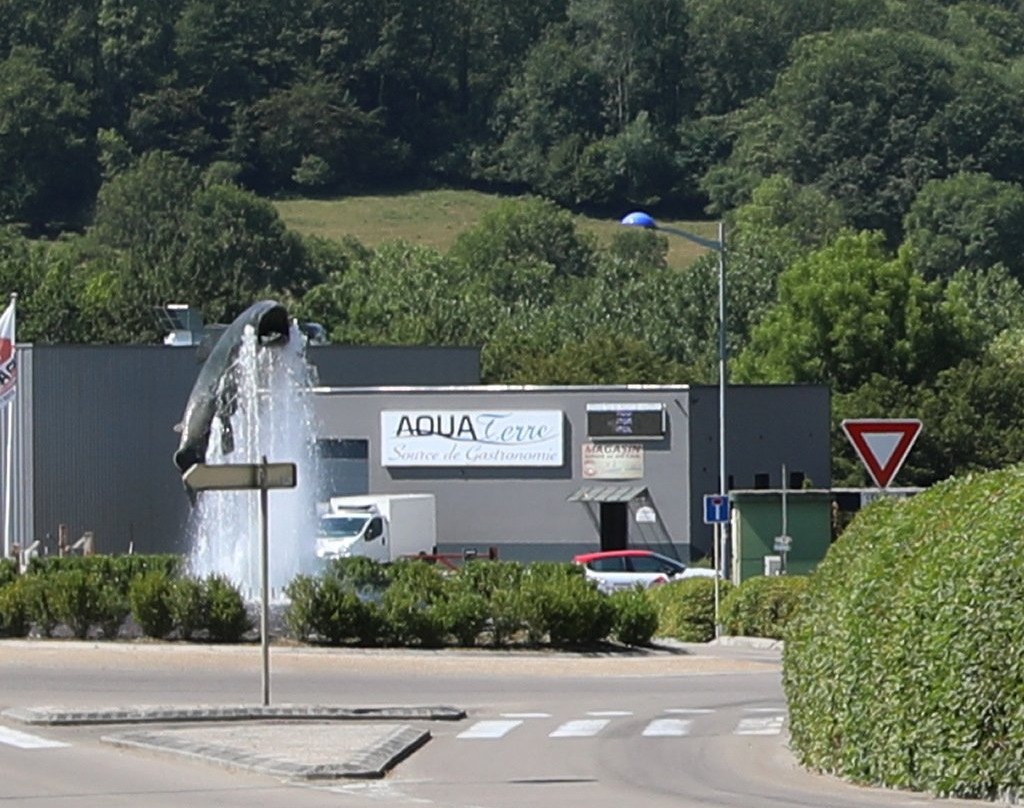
(371, 762)
(62, 716)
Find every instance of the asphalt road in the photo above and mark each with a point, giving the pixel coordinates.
(688, 726)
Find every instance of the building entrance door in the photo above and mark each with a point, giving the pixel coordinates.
(614, 525)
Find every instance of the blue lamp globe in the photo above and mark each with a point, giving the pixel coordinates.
(639, 219)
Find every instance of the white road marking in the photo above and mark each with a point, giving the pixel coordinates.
(667, 728)
(580, 729)
(609, 713)
(688, 711)
(489, 729)
(526, 715)
(761, 726)
(23, 740)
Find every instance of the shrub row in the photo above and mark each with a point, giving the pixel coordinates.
(358, 601)
(903, 665)
(85, 597)
(494, 603)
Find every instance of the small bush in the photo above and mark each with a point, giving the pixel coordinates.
(463, 615)
(507, 618)
(762, 606)
(150, 599)
(411, 616)
(112, 608)
(635, 618)
(226, 617)
(339, 616)
(562, 606)
(16, 608)
(686, 608)
(188, 606)
(300, 617)
(363, 576)
(75, 599)
(42, 611)
(8, 571)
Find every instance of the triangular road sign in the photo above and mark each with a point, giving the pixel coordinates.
(882, 444)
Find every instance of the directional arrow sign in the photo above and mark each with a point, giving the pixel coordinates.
(882, 444)
(231, 476)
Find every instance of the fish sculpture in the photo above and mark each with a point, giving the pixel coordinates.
(215, 393)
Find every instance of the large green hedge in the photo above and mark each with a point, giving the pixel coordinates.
(904, 666)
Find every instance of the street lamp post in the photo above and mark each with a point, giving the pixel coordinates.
(640, 219)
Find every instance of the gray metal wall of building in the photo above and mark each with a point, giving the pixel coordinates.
(525, 512)
(94, 435)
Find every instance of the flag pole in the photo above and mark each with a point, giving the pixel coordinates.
(9, 455)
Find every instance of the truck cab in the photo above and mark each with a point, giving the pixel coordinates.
(342, 534)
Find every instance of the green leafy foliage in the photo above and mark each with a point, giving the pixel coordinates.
(150, 599)
(636, 619)
(560, 605)
(188, 606)
(762, 606)
(226, 617)
(902, 665)
(16, 608)
(686, 608)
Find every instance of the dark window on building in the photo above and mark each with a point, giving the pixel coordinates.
(344, 467)
(762, 481)
(796, 479)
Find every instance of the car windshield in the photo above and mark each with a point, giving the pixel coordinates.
(340, 527)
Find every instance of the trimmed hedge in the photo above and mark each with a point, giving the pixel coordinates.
(762, 606)
(903, 666)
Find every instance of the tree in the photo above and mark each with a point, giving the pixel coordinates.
(869, 117)
(969, 221)
(737, 47)
(782, 223)
(237, 250)
(402, 294)
(524, 251)
(47, 156)
(850, 311)
(318, 118)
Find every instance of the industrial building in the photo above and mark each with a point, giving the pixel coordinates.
(538, 473)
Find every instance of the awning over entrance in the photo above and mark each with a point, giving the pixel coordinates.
(607, 493)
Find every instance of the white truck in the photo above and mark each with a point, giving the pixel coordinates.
(383, 527)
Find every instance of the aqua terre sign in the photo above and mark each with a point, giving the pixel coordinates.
(467, 438)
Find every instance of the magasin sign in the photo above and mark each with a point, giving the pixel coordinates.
(471, 438)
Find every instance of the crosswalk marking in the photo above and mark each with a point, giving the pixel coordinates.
(489, 729)
(582, 728)
(675, 722)
(23, 740)
(667, 727)
(771, 725)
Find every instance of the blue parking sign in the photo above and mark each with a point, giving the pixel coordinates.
(716, 508)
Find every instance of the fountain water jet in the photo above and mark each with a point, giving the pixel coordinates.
(271, 416)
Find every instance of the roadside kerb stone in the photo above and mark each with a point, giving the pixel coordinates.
(287, 750)
(55, 716)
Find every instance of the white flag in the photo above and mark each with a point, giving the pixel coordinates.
(8, 361)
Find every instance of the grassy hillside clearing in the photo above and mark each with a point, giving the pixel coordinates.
(435, 218)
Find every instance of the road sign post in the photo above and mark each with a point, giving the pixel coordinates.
(716, 512)
(882, 444)
(242, 476)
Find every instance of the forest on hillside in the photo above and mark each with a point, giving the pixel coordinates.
(867, 157)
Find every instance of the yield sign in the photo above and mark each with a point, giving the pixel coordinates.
(882, 444)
